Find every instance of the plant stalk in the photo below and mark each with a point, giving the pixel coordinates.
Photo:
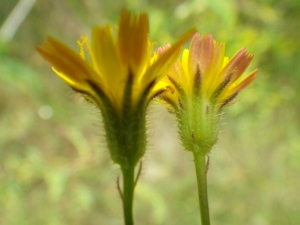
(128, 191)
(200, 166)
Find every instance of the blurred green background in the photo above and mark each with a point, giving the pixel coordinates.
(55, 169)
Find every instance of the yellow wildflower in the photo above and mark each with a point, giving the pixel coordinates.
(201, 84)
(119, 75)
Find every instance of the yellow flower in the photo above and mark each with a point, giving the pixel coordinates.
(200, 85)
(113, 62)
(119, 75)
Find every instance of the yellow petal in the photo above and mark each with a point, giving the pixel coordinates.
(166, 92)
(184, 71)
(67, 61)
(235, 88)
(158, 88)
(133, 40)
(237, 64)
(201, 53)
(164, 62)
(212, 79)
(108, 61)
(245, 82)
(76, 85)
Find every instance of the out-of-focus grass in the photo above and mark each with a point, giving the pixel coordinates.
(55, 169)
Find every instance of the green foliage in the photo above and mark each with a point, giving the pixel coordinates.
(54, 166)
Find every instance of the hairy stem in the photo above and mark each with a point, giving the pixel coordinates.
(128, 191)
(200, 166)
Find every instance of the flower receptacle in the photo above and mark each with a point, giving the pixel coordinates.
(198, 125)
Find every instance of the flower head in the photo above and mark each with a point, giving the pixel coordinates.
(118, 75)
(112, 62)
(201, 85)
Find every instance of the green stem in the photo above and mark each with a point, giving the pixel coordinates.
(200, 166)
(128, 190)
